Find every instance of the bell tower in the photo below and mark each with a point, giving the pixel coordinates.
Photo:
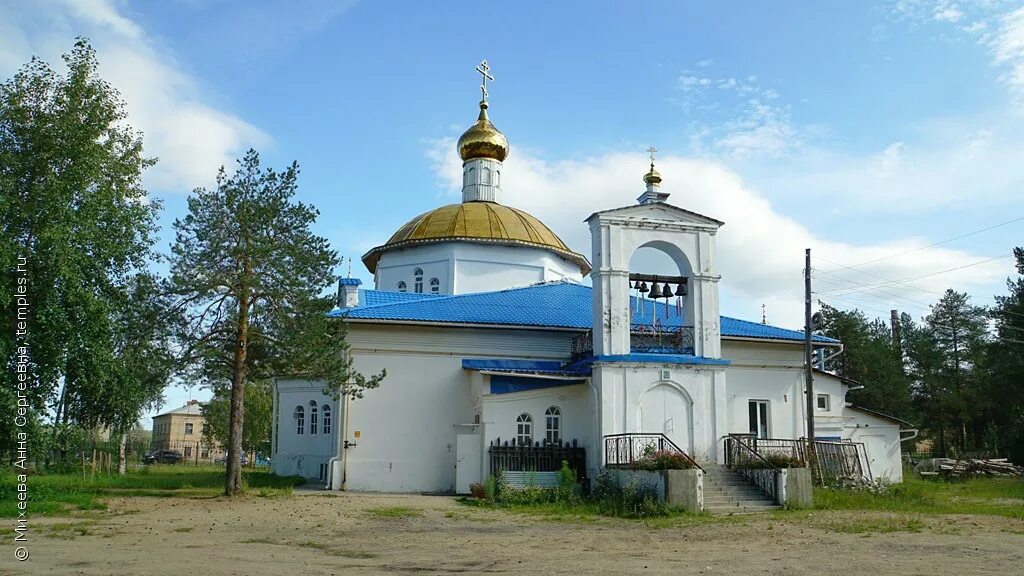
(686, 237)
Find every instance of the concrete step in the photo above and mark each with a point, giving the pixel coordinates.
(716, 501)
(741, 509)
(746, 494)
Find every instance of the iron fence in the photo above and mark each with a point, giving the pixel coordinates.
(538, 457)
(622, 450)
(833, 461)
(647, 341)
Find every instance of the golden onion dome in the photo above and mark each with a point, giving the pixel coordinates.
(483, 140)
(652, 177)
(479, 222)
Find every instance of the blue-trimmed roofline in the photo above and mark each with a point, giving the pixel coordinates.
(552, 305)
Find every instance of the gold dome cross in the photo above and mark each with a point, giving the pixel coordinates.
(484, 71)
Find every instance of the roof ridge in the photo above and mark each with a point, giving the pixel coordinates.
(433, 298)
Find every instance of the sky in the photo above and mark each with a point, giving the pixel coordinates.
(888, 137)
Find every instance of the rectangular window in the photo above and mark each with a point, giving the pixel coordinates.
(758, 413)
(188, 452)
(823, 402)
(188, 428)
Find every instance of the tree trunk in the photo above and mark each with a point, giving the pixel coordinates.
(233, 484)
(122, 455)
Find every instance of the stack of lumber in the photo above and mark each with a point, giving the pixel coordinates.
(974, 467)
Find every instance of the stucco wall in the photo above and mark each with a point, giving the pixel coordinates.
(465, 267)
(303, 454)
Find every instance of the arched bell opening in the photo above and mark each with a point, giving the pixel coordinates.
(661, 299)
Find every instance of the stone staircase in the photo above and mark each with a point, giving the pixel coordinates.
(729, 492)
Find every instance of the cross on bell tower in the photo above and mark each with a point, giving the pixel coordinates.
(653, 192)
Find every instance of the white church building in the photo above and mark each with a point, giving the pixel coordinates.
(490, 337)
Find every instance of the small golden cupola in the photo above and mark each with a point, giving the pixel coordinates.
(652, 179)
(482, 148)
(483, 140)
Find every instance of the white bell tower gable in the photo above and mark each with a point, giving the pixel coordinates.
(687, 237)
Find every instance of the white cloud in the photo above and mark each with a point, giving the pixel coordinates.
(739, 118)
(760, 251)
(191, 138)
(948, 13)
(1007, 46)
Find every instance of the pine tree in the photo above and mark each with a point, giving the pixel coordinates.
(249, 273)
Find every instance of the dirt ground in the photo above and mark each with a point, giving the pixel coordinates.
(404, 534)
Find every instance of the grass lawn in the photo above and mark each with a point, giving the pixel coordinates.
(994, 496)
(56, 493)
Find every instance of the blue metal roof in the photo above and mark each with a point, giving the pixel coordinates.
(550, 305)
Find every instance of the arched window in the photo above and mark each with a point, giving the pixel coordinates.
(485, 175)
(553, 425)
(524, 429)
(402, 287)
(327, 418)
(418, 280)
(497, 177)
(300, 420)
(312, 416)
(435, 286)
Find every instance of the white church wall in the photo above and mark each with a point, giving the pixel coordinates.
(781, 388)
(828, 422)
(699, 415)
(302, 454)
(467, 267)
(409, 426)
(500, 412)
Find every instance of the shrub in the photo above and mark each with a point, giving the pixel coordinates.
(637, 499)
(490, 486)
(477, 490)
(568, 490)
(662, 460)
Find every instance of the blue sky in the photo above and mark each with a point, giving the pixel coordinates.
(863, 131)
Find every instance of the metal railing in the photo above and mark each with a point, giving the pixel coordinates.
(622, 450)
(514, 456)
(646, 341)
(741, 456)
(833, 461)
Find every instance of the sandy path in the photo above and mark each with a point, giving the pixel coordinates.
(340, 534)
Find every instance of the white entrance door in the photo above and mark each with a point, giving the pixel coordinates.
(664, 409)
(874, 445)
(467, 462)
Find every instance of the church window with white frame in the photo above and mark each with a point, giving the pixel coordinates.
(300, 420)
(418, 280)
(524, 429)
(402, 287)
(435, 286)
(553, 425)
(327, 418)
(312, 416)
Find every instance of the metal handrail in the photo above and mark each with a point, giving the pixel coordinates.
(737, 438)
(662, 439)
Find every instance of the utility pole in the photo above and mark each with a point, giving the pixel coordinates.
(808, 366)
(894, 321)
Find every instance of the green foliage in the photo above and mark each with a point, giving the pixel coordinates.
(490, 486)
(59, 493)
(248, 274)
(871, 357)
(73, 206)
(996, 496)
(662, 460)
(258, 417)
(634, 500)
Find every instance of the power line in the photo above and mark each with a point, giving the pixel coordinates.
(921, 276)
(948, 240)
